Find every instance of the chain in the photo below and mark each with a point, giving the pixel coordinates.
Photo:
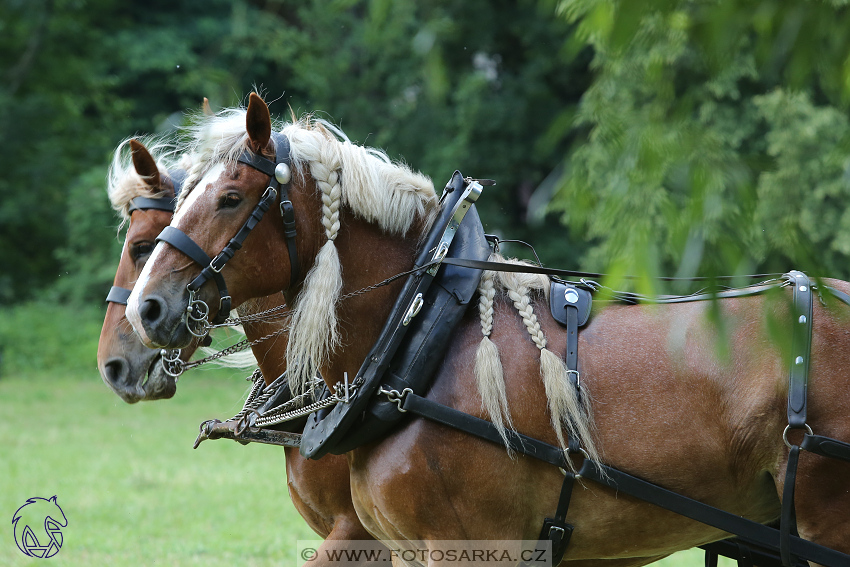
(233, 349)
(387, 281)
(291, 409)
(267, 315)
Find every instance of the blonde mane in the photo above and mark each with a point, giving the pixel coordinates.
(364, 181)
(123, 182)
(367, 184)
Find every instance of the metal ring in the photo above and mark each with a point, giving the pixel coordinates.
(788, 427)
(171, 363)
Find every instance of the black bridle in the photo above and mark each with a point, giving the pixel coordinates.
(120, 295)
(280, 175)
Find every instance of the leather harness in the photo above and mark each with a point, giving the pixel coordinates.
(118, 294)
(279, 177)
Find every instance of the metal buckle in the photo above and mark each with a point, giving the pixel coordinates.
(578, 376)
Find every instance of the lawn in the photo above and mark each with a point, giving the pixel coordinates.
(133, 490)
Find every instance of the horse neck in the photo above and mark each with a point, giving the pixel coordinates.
(271, 352)
(368, 256)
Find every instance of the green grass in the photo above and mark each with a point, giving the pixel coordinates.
(132, 488)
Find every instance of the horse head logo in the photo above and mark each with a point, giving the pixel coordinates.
(38, 526)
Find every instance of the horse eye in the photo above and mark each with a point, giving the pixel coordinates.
(140, 249)
(229, 201)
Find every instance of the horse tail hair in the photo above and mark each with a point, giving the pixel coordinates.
(488, 365)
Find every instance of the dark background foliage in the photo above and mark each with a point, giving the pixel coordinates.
(661, 137)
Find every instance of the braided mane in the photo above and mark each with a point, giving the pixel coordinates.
(362, 180)
(369, 185)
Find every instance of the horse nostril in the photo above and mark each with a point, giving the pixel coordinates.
(115, 371)
(152, 310)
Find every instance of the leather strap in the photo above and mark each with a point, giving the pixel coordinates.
(750, 532)
(826, 447)
(159, 204)
(456, 419)
(181, 241)
(287, 212)
(185, 244)
(747, 530)
(118, 295)
(787, 518)
(744, 553)
(801, 348)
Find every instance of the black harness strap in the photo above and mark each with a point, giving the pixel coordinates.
(788, 519)
(181, 241)
(278, 184)
(826, 447)
(801, 348)
(212, 269)
(118, 295)
(287, 212)
(747, 530)
(158, 203)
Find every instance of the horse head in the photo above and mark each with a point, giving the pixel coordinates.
(144, 193)
(303, 174)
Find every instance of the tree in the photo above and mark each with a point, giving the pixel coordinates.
(715, 137)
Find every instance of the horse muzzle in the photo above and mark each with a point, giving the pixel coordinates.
(160, 323)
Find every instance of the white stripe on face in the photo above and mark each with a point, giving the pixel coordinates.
(133, 304)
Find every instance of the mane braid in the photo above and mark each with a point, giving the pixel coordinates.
(564, 408)
(352, 179)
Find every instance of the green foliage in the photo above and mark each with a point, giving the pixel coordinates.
(479, 86)
(716, 137)
(43, 336)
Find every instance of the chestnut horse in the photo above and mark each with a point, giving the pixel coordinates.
(661, 399)
(319, 489)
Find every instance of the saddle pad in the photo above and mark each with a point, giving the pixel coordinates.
(563, 295)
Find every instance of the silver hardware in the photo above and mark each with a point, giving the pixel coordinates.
(413, 310)
(578, 377)
(571, 295)
(196, 316)
(171, 363)
(803, 288)
(282, 173)
(788, 427)
(798, 361)
(346, 388)
(802, 319)
(441, 252)
(471, 193)
(395, 396)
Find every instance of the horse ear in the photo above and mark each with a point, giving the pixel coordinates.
(258, 122)
(145, 164)
(206, 107)
(53, 499)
